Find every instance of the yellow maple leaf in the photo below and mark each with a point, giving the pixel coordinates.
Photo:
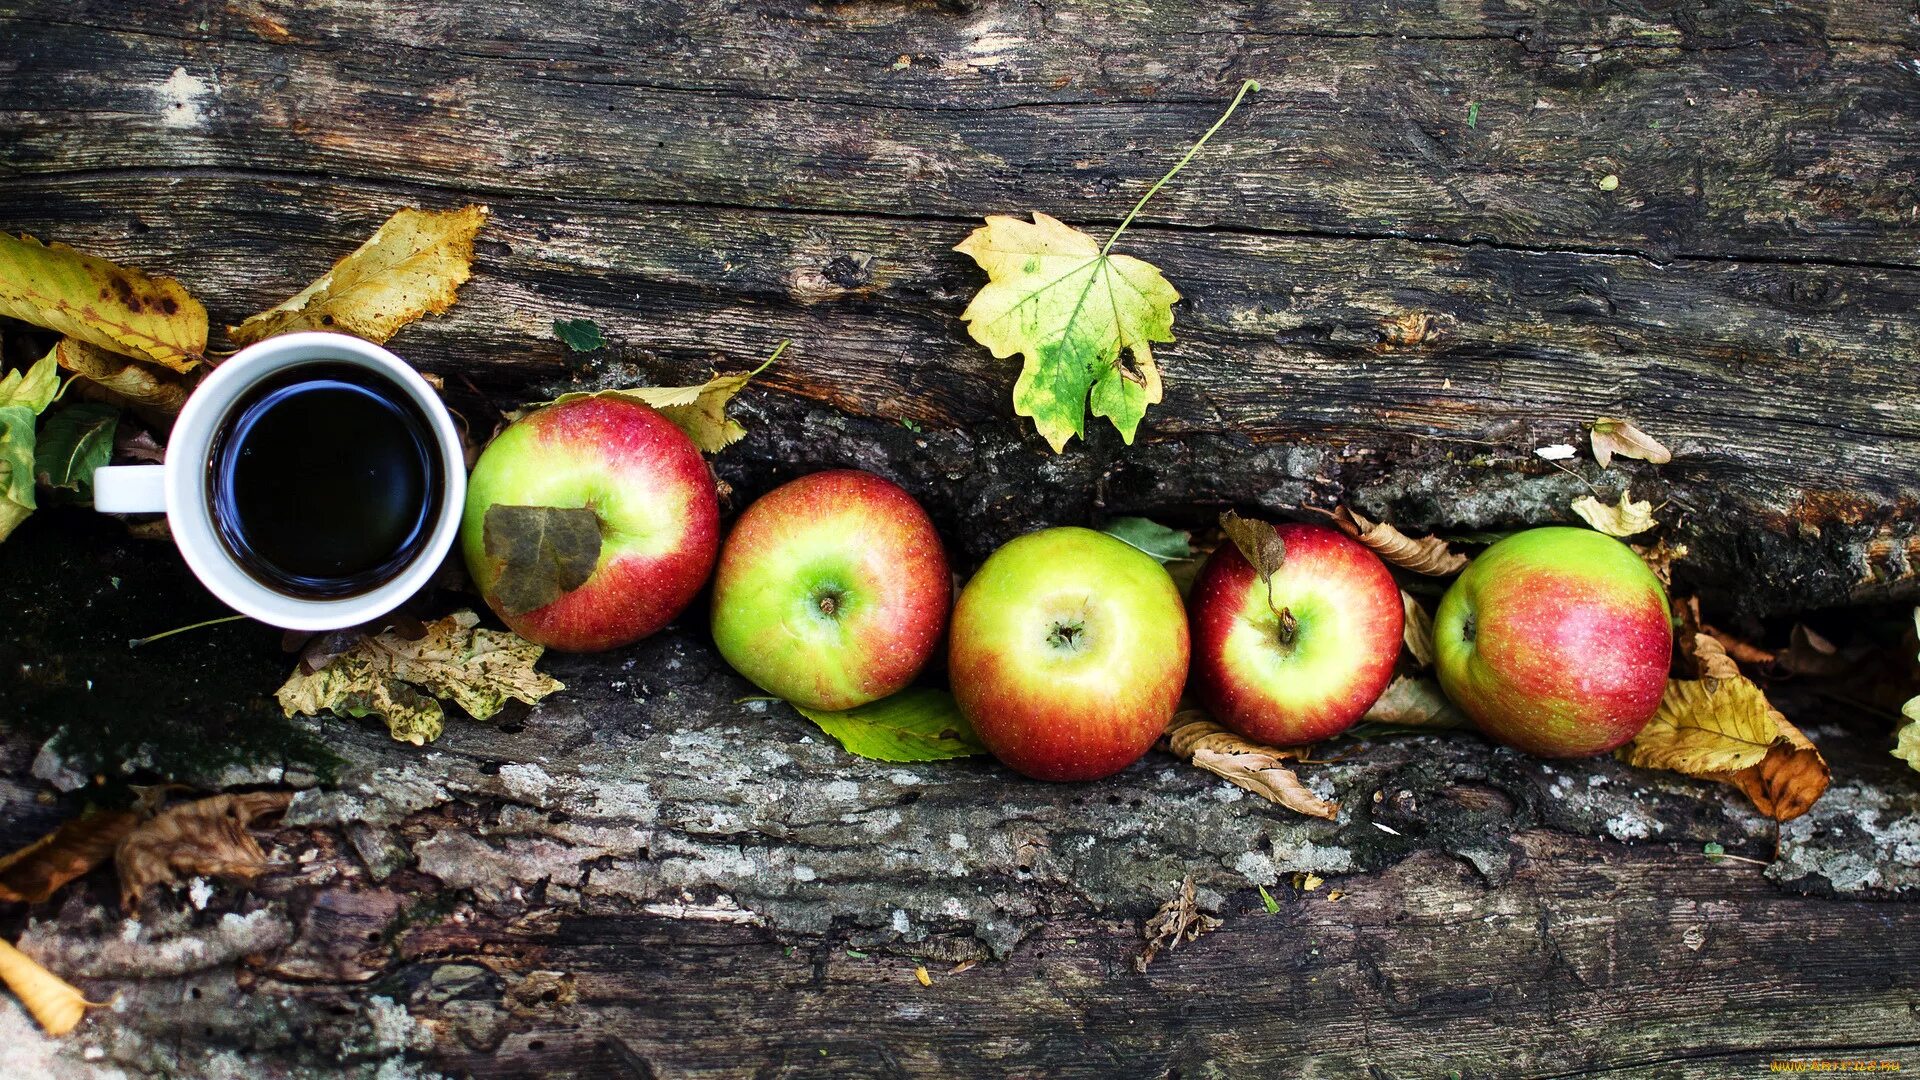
(700, 410)
(101, 303)
(412, 266)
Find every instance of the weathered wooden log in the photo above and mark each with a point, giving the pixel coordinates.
(1403, 273)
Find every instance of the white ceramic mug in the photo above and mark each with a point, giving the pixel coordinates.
(180, 488)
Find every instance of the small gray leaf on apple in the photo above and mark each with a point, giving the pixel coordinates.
(544, 552)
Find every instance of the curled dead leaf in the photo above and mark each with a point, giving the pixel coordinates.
(1611, 436)
(1628, 518)
(413, 265)
(453, 657)
(53, 1004)
(700, 411)
(1417, 629)
(122, 380)
(1725, 730)
(1415, 702)
(1660, 559)
(1249, 765)
(1428, 555)
(1179, 919)
(36, 871)
(1808, 652)
(1710, 658)
(204, 838)
(1260, 545)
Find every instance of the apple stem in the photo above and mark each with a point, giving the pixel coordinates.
(1289, 626)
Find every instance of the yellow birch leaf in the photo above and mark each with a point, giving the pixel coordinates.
(102, 303)
(412, 266)
(456, 659)
(54, 1004)
(1611, 436)
(1629, 518)
(700, 411)
(1725, 730)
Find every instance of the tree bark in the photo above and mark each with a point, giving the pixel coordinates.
(1403, 273)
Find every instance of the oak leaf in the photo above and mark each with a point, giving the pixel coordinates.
(699, 410)
(1249, 765)
(1725, 730)
(1428, 555)
(1611, 436)
(1628, 518)
(51, 1001)
(37, 871)
(101, 303)
(916, 724)
(456, 659)
(413, 265)
(204, 838)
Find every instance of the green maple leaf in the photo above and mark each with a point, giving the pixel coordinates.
(1084, 319)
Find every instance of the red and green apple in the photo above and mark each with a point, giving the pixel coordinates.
(1304, 661)
(832, 590)
(1068, 653)
(1556, 641)
(652, 502)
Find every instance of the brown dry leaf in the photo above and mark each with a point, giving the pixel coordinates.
(100, 302)
(127, 382)
(1808, 652)
(1710, 658)
(54, 1005)
(1628, 518)
(1193, 737)
(452, 658)
(1417, 629)
(36, 871)
(1614, 436)
(1660, 559)
(1179, 919)
(1260, 545)
(1725, 730)
(1411, 701)
(204, 838)
(1428, 555)
(413, 265)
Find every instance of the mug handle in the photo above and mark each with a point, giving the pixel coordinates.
(130, 489)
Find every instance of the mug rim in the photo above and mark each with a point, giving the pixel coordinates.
(190, 513)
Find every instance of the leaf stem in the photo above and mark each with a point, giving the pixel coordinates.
(1250, 84)
(134, 643)
(768, 362)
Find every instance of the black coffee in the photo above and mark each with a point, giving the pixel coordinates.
(325, 481)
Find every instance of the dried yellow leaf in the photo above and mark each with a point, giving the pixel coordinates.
(1411, 701)
(1417, 629)
(127, 381)
(700, 411)
(1725, 730)
(54, 1004)
(1660, 559)
(1249, 765)
(1628, 518)
(1179, 919)
(920, 973)
(1334, 894)
(1711, 659)
(476, 668)
(413, 265)
(1428, 555)
(1611, 436)
(101, 303)
(1312, 882)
